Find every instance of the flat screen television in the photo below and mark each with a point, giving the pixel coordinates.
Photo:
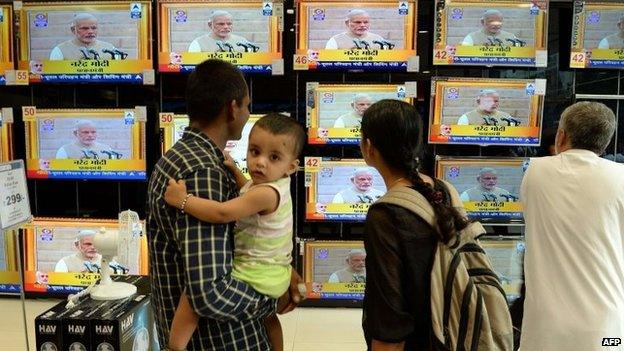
(172, 127)
(334, 270)
(96, 42)
(491, 33)
(6, 134)
(6, 41)
(486, 111)
(362, 35)
(340, 189)
(507, 257)
(60, 257)
(488, 187)
(246, 33)
(85, 144)
(334, 111)
(10, 282)
(597, 35)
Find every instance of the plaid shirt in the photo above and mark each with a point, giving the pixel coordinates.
(188, 253)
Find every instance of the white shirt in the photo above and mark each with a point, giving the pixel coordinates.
(574, 260)
(353, 196)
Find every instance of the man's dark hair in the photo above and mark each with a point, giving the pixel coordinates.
(589, 125)
(210, 88)
(278, 124)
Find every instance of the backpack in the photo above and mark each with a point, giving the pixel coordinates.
(468, 305)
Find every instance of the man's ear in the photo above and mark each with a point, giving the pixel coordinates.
(230, 108)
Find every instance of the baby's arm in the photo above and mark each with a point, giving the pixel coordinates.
(241, 180)
(184, 324)
(259, 199)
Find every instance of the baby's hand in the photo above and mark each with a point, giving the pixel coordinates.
(175, 193)
(229, 162)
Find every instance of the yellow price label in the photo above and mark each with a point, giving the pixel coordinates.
(577, 60)
(312, 164)
(300, 62)
(21, 77)
(165, 119)
(29, 113)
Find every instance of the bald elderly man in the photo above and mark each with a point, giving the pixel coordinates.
(491, 33)
(353, 118)
(357, 35)
(85, 145)
(220, 38)
(84, 45)
(487, 189)
(85, 259)
(354, 272)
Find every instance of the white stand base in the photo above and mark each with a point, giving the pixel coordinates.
(113, 291)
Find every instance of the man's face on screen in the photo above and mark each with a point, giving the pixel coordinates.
(363, 181)
(488, 180)
(86, 135)
(359, 25)
(85, 245)
(357, 262)
(86, 31)
(489, 103)
(492, 24)
(360, 106)
(221, 26)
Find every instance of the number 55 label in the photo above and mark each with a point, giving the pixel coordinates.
(14, 204)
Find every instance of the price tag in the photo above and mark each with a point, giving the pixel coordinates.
(312, 164)
(277, 67)
(541, 58)
(21, 77)
(300, 62)
(14, 203)
(165, 119)
(29, 113)
(577, 60)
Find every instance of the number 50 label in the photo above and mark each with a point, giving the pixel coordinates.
(14, 205)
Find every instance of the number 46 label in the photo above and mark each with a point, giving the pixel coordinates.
(14, 205)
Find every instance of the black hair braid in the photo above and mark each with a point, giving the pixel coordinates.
(448, 219)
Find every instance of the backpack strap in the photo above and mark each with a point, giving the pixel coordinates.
(412, 200)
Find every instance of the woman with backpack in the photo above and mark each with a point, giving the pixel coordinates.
(401, 245)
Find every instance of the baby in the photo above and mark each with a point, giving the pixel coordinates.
(264, 219)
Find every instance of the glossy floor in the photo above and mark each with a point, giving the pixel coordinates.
(327, 329)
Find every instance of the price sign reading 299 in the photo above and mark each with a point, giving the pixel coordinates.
(14, 205)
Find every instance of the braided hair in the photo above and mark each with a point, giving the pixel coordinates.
(395, 129)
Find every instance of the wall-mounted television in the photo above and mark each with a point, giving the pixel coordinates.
(507, 257)
(96, 41)
(6, 134)
(340, 189)
(362, 35)
(334, 270)
(85, 144)
(172, 127)
(488, 187)
(491, 33)
(246, 33)
(60, 256)
(334, 111)
(597, 35)
(486, 111)
(6, 41)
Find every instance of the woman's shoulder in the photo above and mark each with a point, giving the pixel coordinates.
(402, 219)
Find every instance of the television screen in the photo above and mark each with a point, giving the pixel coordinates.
(6, 41)
(334, 112)
(507, 256)
(6, 134)
(501, 32)
(85, 144)
(340, 190)
(488, 187)
(335, 270)
(247, 33)
(60, 256)
(10, 282)
(597, 35)
(486, 111)
(172, 127)
(360, 35)
(99, 41)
